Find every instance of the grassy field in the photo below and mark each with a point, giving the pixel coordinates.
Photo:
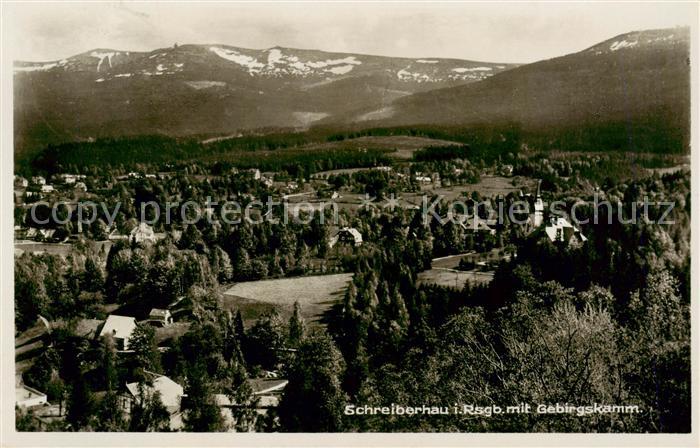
(452, 278)
(62, 249)
(488, 186)
(49, 248)
(315, 294)
(452, 261)
(341, 171)
(405, 145)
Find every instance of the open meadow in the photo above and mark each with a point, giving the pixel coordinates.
(454, 279)
(316, 295)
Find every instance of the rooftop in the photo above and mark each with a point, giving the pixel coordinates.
(170, 391)
(119, 326)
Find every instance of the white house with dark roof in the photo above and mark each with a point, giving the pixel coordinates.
(120, 328)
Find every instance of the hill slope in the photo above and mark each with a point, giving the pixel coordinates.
(640, 78)
(209, 89)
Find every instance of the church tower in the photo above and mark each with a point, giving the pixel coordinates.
(538, 219)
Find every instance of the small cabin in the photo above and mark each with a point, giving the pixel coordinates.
(346, 235)
(160, 317)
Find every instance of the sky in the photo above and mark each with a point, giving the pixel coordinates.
(493, 32)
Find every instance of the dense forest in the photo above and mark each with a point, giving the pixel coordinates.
(606, 322)
(284, 150)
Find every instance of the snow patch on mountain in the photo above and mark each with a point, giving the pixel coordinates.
(343, 69)
(231, 55)
(34, 68)
(427, 61)
(426, 73)
(660, 39)
(473, 69)
(617, 45)
(103, 56)
(198, 85)
(405, 75)
(278, 63)
(327, 62)
(274, 56)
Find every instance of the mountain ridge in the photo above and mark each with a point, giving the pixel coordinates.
(627, 76)
(212, 89)
(640, 78)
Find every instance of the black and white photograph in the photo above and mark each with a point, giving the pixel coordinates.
(388, 218)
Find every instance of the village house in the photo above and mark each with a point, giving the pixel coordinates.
(560, 230)
(506, 170)
(38, 180)
(68, 179)
(267, 386)
(27, 397)
(38, 234)
(120, 328)
(47, 188)
(21, 182)
(267, 394)
(346, 235)
(170, 393)
(160, 317)
(256, 173)
(477, 224)
(142, 233)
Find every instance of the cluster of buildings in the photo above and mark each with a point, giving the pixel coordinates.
(556, 229)
(267, 390)
(37, 186)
